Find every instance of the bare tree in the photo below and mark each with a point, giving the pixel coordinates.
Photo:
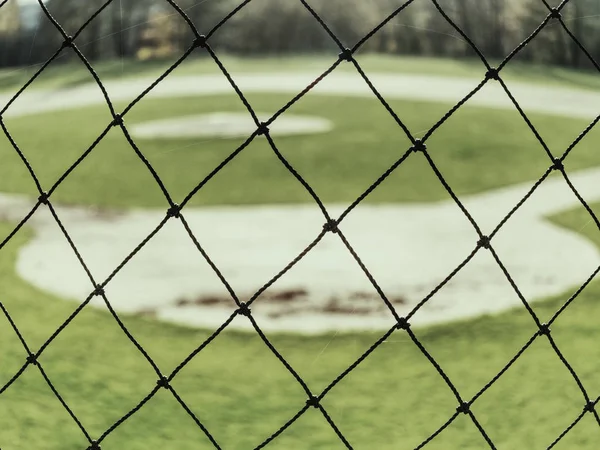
(497, 29)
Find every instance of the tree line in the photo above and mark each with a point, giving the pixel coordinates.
(153, 29)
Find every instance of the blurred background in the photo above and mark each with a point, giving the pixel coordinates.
(150, 29)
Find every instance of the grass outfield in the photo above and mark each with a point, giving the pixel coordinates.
(74, 73)
(240, 391)
(395, 399)
(477, 149)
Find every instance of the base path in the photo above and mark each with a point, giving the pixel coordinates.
(409, 249)
(544, 99)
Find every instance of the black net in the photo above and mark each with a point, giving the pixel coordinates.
(201, 42)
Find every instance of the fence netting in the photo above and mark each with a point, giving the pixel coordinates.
(201, 42)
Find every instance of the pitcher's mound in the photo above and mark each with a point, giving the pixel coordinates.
(228, 125)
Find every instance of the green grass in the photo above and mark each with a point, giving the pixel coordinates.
(472, 149)
(73, 73)
(240, 391)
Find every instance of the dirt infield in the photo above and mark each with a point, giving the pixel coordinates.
(410, 249)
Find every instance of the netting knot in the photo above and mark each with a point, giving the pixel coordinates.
(346, 55)
(558, 165)
(589, 407)
(94, 446)
(99, 291)
(263, 129)
(200, 41)
(492, 74)
(174, 211)
(163, 382)
(403, 324)
(484, 242)
(68, 42)
(419, 146)
(555, 13)
(463, 408)
(331, 226)
(43, 198)
(244, 309)
(544, 330)
(32, 359)
(117, 120)
(313, 401)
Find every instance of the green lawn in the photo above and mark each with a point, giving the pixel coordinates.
(472, 149)
(74, 72)
(395, 399)
(240, 391)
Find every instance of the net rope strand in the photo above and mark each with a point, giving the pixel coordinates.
(173, 211)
